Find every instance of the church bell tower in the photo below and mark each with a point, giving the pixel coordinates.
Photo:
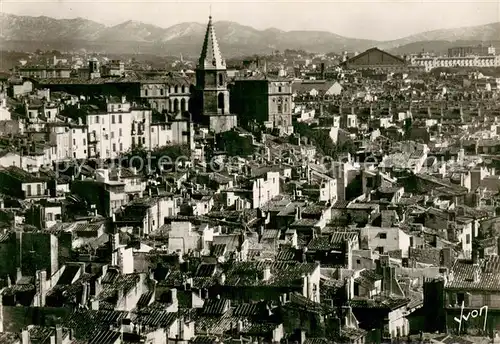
(211, 84)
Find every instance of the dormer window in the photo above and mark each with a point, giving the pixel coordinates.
(214, 62)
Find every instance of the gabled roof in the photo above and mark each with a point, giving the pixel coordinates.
(306, 86)
(375, 49)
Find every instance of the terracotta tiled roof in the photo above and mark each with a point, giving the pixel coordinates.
(282, 273)
(205, 270)
(157, 318)
(105, 337)
(218, 250)
(286, 253)
(215, 307)
(320, 243)
(246, 309)
(367, 279)
(381, 302)
(299, 302)
(317, 341)
(87, 322)
(204, 340)
(469, 276)
(428, 255)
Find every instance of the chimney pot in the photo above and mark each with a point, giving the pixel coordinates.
(173, 293)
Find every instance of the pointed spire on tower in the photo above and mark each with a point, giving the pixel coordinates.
(211, 57)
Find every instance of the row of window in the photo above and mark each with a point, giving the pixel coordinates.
(94, 135)
(162, 128)
(52, 217)
(113, 119)
(84, 142)
(139, 141)
(114, 147)
(172, 105)
(162, 91)
(84, 152)
(29, 191)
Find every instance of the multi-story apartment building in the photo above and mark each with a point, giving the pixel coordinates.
(265, 188)
(70, 140)
(113, 68)
(469, 51)
(45, 72)
(172, 132)
(430, 63)
(118, 129)
(170, 94)
(264, 100)
(259, 191)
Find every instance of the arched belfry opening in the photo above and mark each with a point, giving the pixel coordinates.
(176, 105)
(220, 101)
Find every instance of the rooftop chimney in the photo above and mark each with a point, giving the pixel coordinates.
(25, 337)
(475, 256)
(298, 213)
(240, 326)
(59, 334)
(95, 305)
(85, 294)
(267, 274)
(475, 274)
(302, 336)
(115, 243)
(19, 274)
(173, 295)
(222, 279)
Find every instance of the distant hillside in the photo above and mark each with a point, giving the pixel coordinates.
(21, 32)
(481, 33)
(29, 33)
(24, 28)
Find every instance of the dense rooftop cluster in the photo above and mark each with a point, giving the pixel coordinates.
(250, 206)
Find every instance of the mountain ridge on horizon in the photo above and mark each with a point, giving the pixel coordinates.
(186, 37)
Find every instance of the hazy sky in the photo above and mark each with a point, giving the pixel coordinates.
(373, 19)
